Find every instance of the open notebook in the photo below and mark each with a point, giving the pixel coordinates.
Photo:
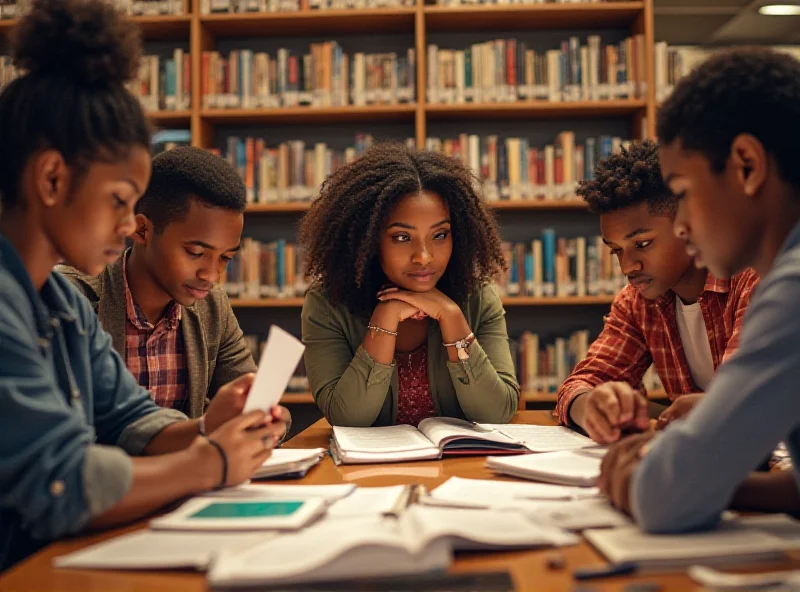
(733, 542)
(420, 540)
(444, 436)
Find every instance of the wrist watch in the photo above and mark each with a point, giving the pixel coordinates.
(461, 346)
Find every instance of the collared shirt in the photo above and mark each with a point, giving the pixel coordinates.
(155, 354)
(693, 469)
(71, 412)
(640, 332)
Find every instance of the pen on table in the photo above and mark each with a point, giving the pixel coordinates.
(605, 571)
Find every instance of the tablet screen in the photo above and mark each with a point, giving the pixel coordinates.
(247, 509)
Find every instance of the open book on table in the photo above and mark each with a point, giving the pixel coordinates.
(445, 436)
(420, 540)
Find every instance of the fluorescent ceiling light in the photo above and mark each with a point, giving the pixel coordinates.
(779, 10)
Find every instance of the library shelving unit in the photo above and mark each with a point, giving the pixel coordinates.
(204, 31)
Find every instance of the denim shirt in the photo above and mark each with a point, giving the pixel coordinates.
(694, 468)
(70, 413)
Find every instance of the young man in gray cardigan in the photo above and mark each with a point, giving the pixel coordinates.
(160, 302)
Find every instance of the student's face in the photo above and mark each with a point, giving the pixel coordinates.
(717, 219)
(87, 224)
(416, 243)
(189, 256)
(649, 254)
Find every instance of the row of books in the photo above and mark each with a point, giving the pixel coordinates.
(511, 169)
(503, 2)
(7, 71)
(674, 62)
(10, 9)
(290, 171)
(559, 267)
(508, 169)
(325, 77)
(168, 139)
(542, 366)
(505, 70)
(164, 84)
(268, 6)
(266, 270)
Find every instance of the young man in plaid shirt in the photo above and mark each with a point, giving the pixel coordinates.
(673, 315)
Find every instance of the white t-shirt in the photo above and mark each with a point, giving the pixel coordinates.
(692, 329)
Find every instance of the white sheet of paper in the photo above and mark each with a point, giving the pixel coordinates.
(147, 549)
(487, 493)
(366, 501)
(278, 361)
(282, 456)
(718, 580)
(543, 438)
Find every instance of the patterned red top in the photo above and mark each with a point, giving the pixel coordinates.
(414, 401)
(155, 355)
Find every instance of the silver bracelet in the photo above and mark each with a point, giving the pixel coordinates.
(381, 330)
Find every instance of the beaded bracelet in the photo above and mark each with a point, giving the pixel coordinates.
(381, 330)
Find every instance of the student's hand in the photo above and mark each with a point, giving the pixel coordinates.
(390, 313)
(229, 402)
(432, 303)
(281, 420)
(618, 466)
(612, 409)
(679, 408)
(247, 442)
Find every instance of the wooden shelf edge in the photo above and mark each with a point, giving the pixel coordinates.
(515, 205)
(548, 397)
(298, 399)
(297, 302)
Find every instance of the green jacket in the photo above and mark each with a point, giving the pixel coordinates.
(216, 351)
(351, 389)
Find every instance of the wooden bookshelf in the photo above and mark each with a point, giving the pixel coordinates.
(311, 22)
(6, 25)
(297, 399)
(536, 109)
(511, 206)
(170, 118)
(507, 301)
(294, 115)
(535, 16)
(548, 397)
(154, 28)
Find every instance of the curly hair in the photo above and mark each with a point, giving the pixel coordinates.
(76, 55)
(633, 176)
(341, 233)
(748, 90)
(183, 174)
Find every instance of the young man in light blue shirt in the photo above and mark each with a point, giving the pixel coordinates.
(729, 152)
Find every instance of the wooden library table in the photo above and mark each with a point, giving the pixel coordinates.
(527, 568)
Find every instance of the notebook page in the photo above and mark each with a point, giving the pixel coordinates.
(544, 438)
(399, 438)
(440, 430)
(366, 501)
(489, 493)
(566, 467)
(147, 549)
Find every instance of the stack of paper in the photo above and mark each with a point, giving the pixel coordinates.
(733, 542)
(571, 467)
(291, 463)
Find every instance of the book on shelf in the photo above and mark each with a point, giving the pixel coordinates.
(8, 71)
(506, 2)
(505, 70)
(298, 383)
(511, 169)
(290, 171)
(164, 84)
(673, 62)
(266, 270)
(274, 6)
(11, 9)
(164, 140)
(543, 366)
(327, 76)
(559, 267)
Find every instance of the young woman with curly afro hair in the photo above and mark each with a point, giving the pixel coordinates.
(402, 321)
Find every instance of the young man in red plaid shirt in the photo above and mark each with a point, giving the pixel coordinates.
(673, 315)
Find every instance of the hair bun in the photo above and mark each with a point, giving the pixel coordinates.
(88, 40)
